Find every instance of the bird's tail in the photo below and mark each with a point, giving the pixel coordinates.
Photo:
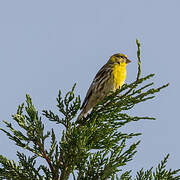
(81, 115)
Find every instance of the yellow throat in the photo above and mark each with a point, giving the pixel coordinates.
(119, 73)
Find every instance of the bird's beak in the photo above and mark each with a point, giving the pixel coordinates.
(128, 61)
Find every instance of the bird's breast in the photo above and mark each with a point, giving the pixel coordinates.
(119, 74)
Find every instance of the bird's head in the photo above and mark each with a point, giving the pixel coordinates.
(120, 59)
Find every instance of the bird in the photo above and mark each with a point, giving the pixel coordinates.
(108, 79)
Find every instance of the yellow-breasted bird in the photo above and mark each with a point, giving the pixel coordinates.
(109, 78)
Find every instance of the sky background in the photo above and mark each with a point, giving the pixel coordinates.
(49, 45)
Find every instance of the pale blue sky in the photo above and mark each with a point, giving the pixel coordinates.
(50, 45)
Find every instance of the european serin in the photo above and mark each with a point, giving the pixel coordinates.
(110, 77)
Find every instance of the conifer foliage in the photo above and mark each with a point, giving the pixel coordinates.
(92, 149)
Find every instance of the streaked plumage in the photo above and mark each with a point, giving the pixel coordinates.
(110, 77)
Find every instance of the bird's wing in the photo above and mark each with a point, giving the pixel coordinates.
(94, 85)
